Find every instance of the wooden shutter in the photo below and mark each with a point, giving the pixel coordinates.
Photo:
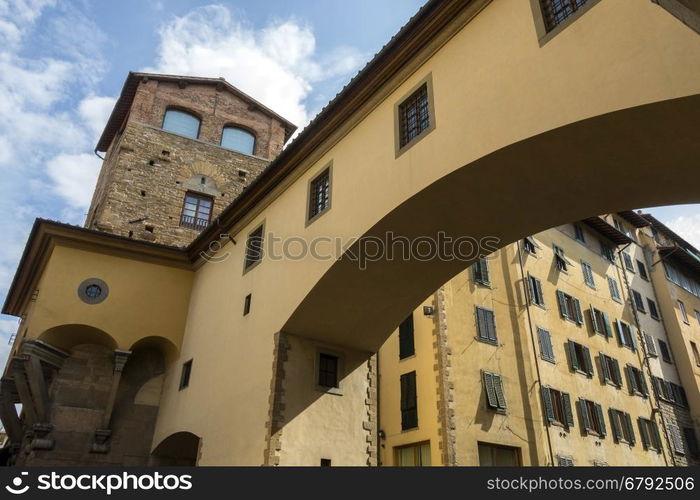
(644, 432)
(500, 394)
(547, 404)
(651, 345)
(605, 370)
(538, 289)
(409, 411)
(490, 391)
(599, 411)
(566, 400)
(644, 388)
(620, 332)
(583, 411)
(563, 309)
(406, 338)
(655, 436)
(633, 338)
(577, 311)
(676, 439)
(482, 325)
(631, 379)
(606, 325)
(692, 441)
(546, 349)
(630, 428)
(491, 321)
(617, 376)
(615, 422)
(594, 321)
(587, 361)
(572, 355)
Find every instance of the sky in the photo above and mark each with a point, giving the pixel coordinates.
(63, 63)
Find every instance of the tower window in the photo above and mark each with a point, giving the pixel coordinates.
(556, 11)
(319, 194)
(414, 115)
(196, 211)
(237, 139)
(181, 123)
(254, 248)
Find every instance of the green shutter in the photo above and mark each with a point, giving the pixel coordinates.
(620, 332)
(500, 394)
(594, 321)
(546, 349)
(563, 310)
(630, 428)
(583, 412)
(577, 311)
(572, 355)
(491, 399)
(604, 368)
(615, 424)
(599, 412)
(644, 431)
(633, 338)
(656, 436)
(547, 403)
(566, 400)
(491, 321)
(644, 388)
(587, 360)
(538, 287)
(617, 376)
(606, 325)
(631, 379)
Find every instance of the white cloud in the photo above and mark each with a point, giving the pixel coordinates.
(688, 227)
(74, 177)
(277, 65)
(95, 111)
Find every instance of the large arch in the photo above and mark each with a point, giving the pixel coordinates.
(179, 448)
(642, 156)
(68, 336)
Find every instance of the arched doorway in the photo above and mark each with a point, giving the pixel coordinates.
(180, 448)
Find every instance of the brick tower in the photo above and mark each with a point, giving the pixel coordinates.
(177, 151)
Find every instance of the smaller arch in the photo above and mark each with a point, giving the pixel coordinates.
(237, 138)
(181, 121)
(179, 448)
(166, 347)
(68, 336)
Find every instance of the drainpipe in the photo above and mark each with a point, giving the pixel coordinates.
(534, 344)
(645, 356)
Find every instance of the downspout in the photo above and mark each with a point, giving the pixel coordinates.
(534, 344)
(645, 354)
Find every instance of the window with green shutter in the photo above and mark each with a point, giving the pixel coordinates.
(611, 370)
(495, 395)
(600, 322)
(409, 401)
(626, 335)
(649, 430)
(628, 261)
(588, 274)
(592, 420)
(546, 349)
(692, 441)
(570, 307)
(638, 301)
(614, 290)
(676, 439)
(529, 245)
(650, 345)
(561, 262)
(580, 358)
(565, 461)
(557, 407)
(578, 232)
(406, 338)
(665, 352)
(653, 310)
(607, 252)
(637, 382)
(621, 424)
(486, 325)
(642, 270)
(480, 272)
(534, 288)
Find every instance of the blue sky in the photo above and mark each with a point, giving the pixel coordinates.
(63, 63)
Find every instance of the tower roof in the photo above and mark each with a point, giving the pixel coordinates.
(126, 98)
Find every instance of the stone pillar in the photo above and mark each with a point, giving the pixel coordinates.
(18, 368)
(8, 412)
(102, 435)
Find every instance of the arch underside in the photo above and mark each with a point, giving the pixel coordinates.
(638, 157)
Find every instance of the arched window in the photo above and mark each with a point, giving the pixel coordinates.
(238, 139)
(182, 123)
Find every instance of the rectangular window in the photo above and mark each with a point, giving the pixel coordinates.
(529, 245)
(592, 417)
(556, 11)
(409, 401)
(535, 290)
(588, 274)
(623, 430)
(607, 252)
(600, 322)
(625, 335)
(642, 270)
(578, 232)
(653, 310)
(413, 455)
(650, 344)
(684, 314)
(638, 301)
(325, 462)
(611, 370)
(614, 290)
(681, 279)
(679, 396)
(628, 262)
(480, 272)
(497, 455)
(196, 211)
(561, 261)
(662, 390)
(665, 352)
(650, 434)
(696, 354)
(319, 194)
(563, 461)
(546, 349)
(493, 386)
(692, 441)
(637, 382)
(580, 358)
(254, 248)
(569, 307)
(486, 325)
(557, 407)
(246, 304)
(406, 341)
(327, 370)
(185, 375)
(414, 116)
